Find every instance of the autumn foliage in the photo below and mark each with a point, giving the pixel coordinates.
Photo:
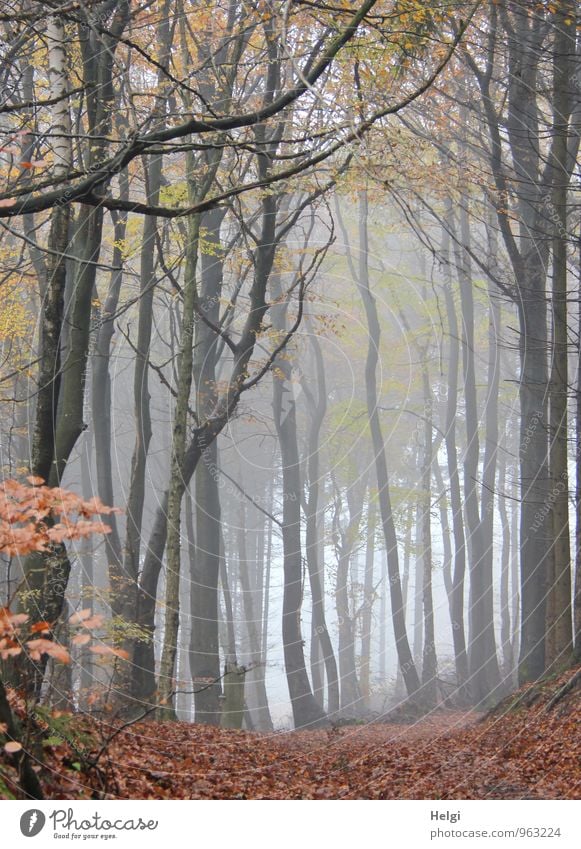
(34, 516)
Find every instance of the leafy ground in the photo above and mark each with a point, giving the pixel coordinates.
(527, 750)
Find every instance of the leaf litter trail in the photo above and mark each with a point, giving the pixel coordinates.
(532, 751)
(528, 748)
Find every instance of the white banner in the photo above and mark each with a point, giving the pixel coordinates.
(292, 824)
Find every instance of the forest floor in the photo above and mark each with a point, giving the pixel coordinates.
(527, 750)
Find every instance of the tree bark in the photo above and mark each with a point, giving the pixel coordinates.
(368, 599)
(256, 672)
(405, 659)
(429, 664)
(559, 624)
(483, 664)
(346, 545)
(314, 519)
(177, 485)
(459, 569)
(307, 712)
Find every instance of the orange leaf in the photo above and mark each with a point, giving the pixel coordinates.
(11, 652)
(81, 639)
(107, 650)
(39, 627)
(38, 647)
(80, 616)
(94, 622)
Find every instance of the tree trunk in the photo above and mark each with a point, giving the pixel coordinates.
(577, 594)
(535, 524)
(256, 673)
(429, 664)
(307, 712)
(368, 599)
(459, 570)
(483, 664)
(101, 399)
(505, 623)
(404, 654)
(176, 491)
(46, 576)
(205, 659)
(559, 625)
(346, 543)
(314, 519)
(128, 596)
(418, 632)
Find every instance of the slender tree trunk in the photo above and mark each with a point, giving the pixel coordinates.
(262, 712)
(266, 608)
(347, 538)
(577, 594)
(405, 584)
(86, 246)
(446, 533)
(535, 525)
(368, 599)
(515, 584)
(559, 626)
(128, 597)
(46, 577)
(429, 664)
(459, 570)
(205, 659)
(483, 664)
(141, 395)
(404, 654)
(307, 712)
(382, 671)
(505, 623)
(314, 519)
(88, 672)
(175, 495)
(49, 378)
(101, 397)
(418, 631)
(488, 488)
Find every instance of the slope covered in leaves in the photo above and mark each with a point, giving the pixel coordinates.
(528, 748)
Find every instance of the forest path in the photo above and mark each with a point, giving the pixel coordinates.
(529, 753)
